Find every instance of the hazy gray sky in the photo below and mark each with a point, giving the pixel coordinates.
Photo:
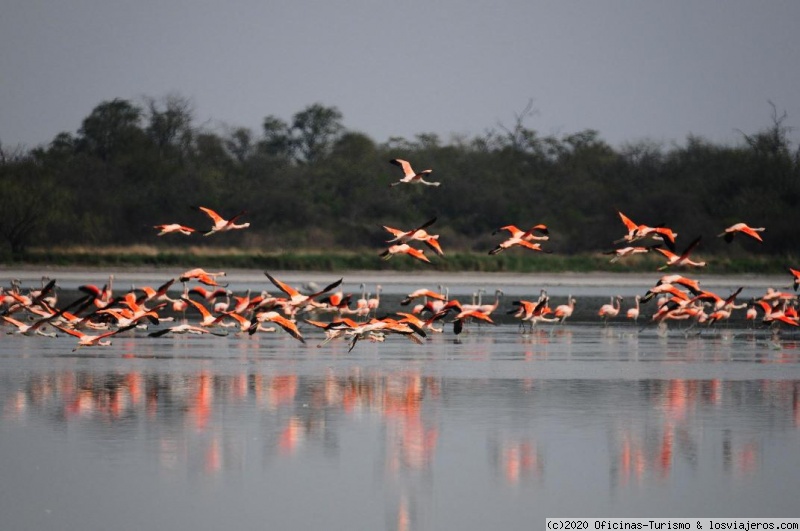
(630, 69)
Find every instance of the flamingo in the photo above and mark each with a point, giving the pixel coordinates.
(628, 251)
(374, 302)
(179, 305)
(209, 295)
(731, 231)
(102, 296)
(36, 301)
(244, 323)
(404, 248)
(796, 281)
(333, 330)
(278, 319)
(171, 228)
(419, 234)
(563, 311)
(297, 299)
(609, 311)
(375, 330)
(185, 329)
(203, 276)
(689, 283)
(489, 307)
(30, 329)
(633, 313)
(522, 238)
(222, 306)
(752, 313)
(411, 318)
(410, 176)
(682, 259)
(156, 294)
(208, 319)
(533, 312)
(362, 308)
(638, 232)
(719, 315)
(134, 312)
(89, 340)
(221, 224)
(423, 292)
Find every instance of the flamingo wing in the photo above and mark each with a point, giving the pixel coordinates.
(629, 224)
(216, 218)
(405, 165)
(287, 289)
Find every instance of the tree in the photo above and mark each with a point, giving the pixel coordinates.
(25, 200)
(110, 129)
(170, 123)
(315, 129)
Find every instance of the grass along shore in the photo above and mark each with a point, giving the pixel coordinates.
(514, 260)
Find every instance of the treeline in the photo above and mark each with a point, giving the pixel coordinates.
(310, 183)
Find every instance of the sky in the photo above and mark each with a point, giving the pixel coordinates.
(633, 70)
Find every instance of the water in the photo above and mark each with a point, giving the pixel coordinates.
(493, 429)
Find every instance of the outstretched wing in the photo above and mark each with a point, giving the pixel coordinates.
(216, 218)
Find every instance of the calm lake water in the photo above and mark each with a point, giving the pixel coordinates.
(493, 429)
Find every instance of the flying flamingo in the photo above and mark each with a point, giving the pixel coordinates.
(221, 224)
(522, 238)
(30, 329)
(87, 340)
(203, 276)
(409, 175)
(278, 319)
(297, 299)
(682, 259)
(171, 228)
(796, 274)
(209, 295)
(419, 234)
(638, 232)
(102, 296)
(208, 319)
(185, 329)
(731, 231)
(404, 248)
(423, 292)
(627, 251)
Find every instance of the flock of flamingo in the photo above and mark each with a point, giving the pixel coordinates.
(99, 314)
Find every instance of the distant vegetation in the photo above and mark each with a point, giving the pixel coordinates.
(316, 193)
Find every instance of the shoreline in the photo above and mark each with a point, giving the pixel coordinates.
(30, 274)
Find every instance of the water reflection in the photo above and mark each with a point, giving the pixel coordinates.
(421, 431)
(661, 422)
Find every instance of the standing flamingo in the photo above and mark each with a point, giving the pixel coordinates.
(633, 313)
(374, 302)
(563, 311)
(609, 311)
